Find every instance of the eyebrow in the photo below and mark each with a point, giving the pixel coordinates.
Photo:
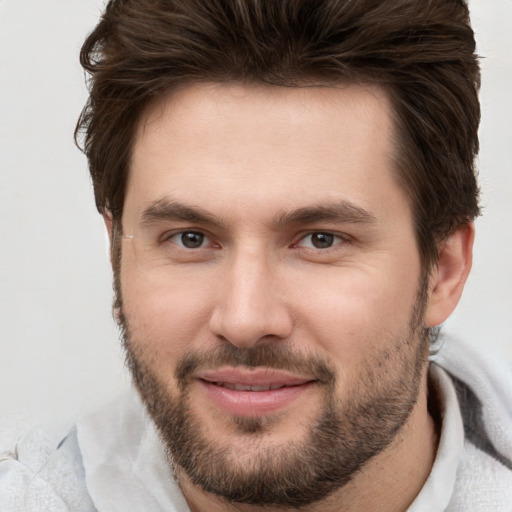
(343, 212)
(165, 209)
(339, 212)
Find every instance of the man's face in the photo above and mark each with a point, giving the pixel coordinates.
(271, 286)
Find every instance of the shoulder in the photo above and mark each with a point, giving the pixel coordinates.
(126, 464)
(484, 390)
(483, 387)
(42, 472)
(483, 483)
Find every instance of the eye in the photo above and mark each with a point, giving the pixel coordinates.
(189, 239)
(320, 240)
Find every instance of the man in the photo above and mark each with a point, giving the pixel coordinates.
(289, 190)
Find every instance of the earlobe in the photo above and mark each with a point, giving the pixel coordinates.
(450, 274)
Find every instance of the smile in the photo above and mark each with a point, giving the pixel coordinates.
(252, 393)
(243, 387)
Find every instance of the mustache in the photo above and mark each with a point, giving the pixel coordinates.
(267, 356)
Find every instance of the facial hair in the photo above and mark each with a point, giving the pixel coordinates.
(343, 437)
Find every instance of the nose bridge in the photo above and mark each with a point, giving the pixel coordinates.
(251, 305)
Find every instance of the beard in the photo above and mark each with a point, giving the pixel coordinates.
(343, 437)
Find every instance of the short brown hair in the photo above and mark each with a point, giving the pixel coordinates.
(422, 52)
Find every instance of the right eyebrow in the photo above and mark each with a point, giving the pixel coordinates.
(165, 209)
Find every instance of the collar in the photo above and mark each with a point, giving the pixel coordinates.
(438, 489)
(124, 460)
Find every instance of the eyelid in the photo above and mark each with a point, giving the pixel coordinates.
(342, 236)
(168, 235)
(212, 243)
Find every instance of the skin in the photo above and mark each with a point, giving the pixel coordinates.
(249, 156)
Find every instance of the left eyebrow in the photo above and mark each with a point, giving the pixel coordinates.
(343, 212)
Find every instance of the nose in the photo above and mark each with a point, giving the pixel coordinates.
(251, 306)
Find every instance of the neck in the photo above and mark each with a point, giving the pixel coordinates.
(389, 482)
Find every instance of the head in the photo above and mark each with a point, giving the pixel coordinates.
(290, 176)
(421, 53)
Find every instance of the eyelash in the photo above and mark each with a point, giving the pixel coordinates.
(337, 240)
(334, 239)
(168, 238)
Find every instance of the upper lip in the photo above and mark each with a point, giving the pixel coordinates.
(253, 377)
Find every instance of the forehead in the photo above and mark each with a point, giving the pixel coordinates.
(264, 145)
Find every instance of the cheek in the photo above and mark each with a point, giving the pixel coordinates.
(166, 316)
(352, 313)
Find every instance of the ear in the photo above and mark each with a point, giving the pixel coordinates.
(109, 224)
(449, 276)
(108, 219)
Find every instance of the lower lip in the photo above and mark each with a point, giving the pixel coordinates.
(253, 403)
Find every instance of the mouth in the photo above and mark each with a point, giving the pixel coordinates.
(243, 387)
(252, 392)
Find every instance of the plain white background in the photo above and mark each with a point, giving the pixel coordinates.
(59, 350)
